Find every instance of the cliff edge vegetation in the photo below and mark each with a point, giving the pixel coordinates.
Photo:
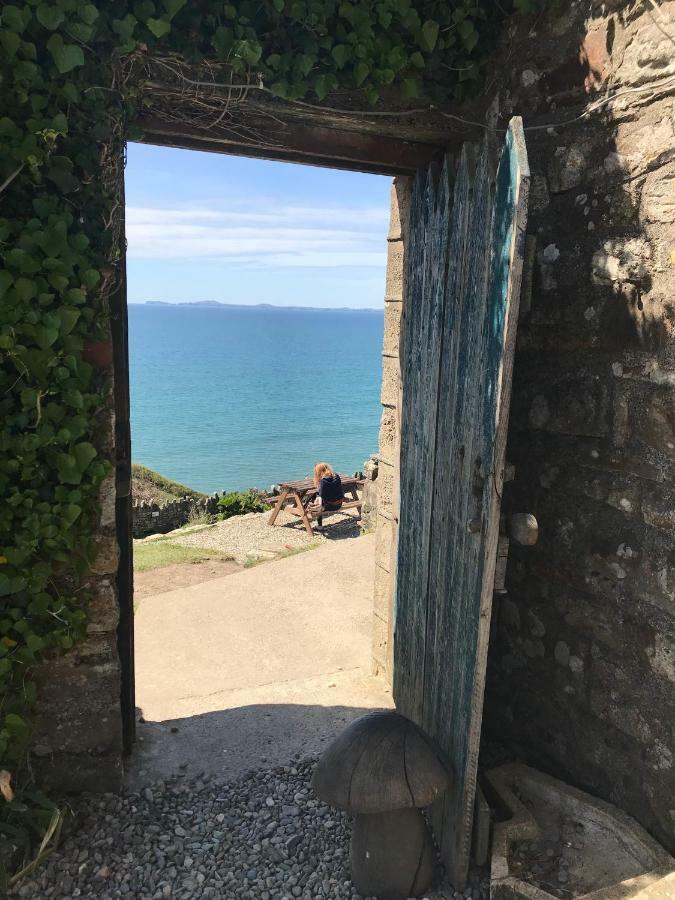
(151, 487)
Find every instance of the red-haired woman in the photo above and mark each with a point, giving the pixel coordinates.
(329, 492)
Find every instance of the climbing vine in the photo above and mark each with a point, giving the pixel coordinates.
(73, 77)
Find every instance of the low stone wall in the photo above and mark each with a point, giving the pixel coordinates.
(155, 518)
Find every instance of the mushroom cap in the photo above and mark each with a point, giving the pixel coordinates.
(379, 763)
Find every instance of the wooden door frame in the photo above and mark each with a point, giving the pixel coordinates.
(308, 144)
(123, 501)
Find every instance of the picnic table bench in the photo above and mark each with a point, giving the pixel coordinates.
(293, 493)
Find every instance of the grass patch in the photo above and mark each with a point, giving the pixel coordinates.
(155, 554)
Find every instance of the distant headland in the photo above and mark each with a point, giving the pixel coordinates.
(220, 304)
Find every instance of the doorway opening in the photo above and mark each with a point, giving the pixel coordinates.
(255, 293)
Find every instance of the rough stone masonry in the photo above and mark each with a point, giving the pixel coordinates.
(160, 518)
(581, 670)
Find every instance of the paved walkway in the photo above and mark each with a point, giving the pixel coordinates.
(251, 670)
(245, 671)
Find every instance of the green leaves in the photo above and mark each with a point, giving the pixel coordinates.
(14, 723)
(173, 6)
(159, 27)
(70, 513)
(125, 27)
(68, 319)
(25, 288)
(340, 54)
(324, 84)
(410, 88)
(6, 281)
(361, 72)
(71, 466)
(88, 13)
(304, 64)
(348, 11)
(15, 19)
(279, 89)
(222, 41)
(10, 43)
(249, 51)
(468, 34)
(49, 16)
(429, 35)
(66, 56)
(45, 337)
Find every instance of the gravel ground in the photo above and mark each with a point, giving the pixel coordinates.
(242, 536)
(262, 837)
(547, 862)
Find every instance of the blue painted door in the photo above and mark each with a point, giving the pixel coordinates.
(463, 266)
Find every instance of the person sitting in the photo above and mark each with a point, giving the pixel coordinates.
(329, 492)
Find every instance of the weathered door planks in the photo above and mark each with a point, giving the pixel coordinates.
(423, 333)
(458, 561)
(463, 269)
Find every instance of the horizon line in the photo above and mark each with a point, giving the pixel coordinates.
(211, 304)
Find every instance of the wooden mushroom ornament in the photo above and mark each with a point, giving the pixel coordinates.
(382, 769)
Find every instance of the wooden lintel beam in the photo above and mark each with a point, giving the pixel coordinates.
(317, 146)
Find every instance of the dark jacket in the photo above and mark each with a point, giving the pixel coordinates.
(330, 491)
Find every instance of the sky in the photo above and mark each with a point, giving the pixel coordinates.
(205, 226)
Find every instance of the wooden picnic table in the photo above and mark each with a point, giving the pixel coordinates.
(294, 492)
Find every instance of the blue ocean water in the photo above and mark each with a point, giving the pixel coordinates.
(226, 398)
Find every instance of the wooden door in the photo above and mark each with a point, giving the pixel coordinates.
(462, 283)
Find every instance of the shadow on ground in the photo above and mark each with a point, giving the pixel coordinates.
(231, 742)
(335, 527)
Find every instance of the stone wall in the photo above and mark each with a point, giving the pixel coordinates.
(77, 723)
(156, 518)
(581, 669)
(369, 496)
(581, 676)
(386, 518)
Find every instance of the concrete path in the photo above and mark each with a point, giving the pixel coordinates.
(247, 670)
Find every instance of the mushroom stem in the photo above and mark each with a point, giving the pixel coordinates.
(392, 854)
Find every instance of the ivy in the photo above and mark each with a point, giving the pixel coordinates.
(63, 122)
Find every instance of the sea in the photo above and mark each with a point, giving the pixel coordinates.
(227, 398)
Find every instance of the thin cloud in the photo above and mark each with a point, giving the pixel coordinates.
(314, 260)
(287, 236)
(355, 217)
